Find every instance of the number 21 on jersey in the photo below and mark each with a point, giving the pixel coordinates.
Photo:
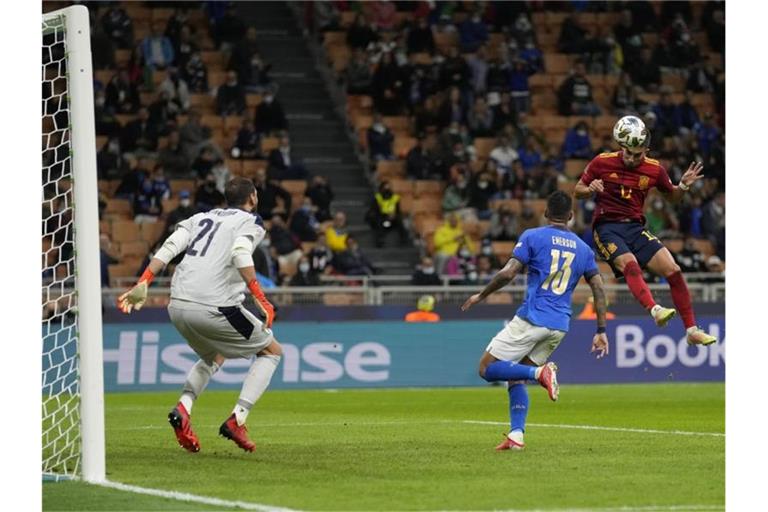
(559, 275)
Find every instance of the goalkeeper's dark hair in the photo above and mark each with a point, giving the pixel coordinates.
(238, 190)
(559, 206)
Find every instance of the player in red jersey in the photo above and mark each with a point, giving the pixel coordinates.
(620, 182)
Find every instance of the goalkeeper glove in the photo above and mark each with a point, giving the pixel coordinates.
(261, 301)
(136, 296)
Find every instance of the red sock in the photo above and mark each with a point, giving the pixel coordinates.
(682, 298)
(637, 285)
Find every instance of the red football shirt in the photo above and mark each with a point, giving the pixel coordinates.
(625, 189)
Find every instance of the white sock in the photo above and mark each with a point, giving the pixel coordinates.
(255, 384)
(654, 309)
(197, 379)
(516, 436)
(691, 329)
(538, 372)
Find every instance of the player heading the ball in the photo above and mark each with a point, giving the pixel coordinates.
(620, 182)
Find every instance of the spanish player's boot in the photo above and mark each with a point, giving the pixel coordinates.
(237, 433)
(512, 441)
(662, 315)
(182, 427)
(548, 379)
(697, 336)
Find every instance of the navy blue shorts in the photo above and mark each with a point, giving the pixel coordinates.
(615, 238)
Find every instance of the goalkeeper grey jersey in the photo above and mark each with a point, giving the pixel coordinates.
(207, 274)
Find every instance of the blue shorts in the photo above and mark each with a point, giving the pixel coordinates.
(615, 238)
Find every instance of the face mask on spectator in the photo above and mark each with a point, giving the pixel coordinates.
(581, 132)
(428, 270)
(185, 203)
(487, 250)
(472, 276)
(464, 254)
(304, 267)
(268, 99)
(482, 184)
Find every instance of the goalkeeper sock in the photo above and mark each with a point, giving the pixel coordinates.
(197, 379)
(518, 405)
(682, 298)
(255, 384)
(637, 285)
(507, 370)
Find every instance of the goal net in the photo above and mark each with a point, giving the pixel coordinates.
(72, 383)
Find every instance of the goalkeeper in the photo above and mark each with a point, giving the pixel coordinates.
(207, 291)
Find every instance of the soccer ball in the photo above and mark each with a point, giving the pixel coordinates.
(630, 132)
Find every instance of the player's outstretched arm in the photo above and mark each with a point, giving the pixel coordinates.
(502, 278)
(689, 177)
(600, 340)
(172, 247)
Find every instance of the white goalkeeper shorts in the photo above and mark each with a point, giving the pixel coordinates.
(232, 331)
(520, 338)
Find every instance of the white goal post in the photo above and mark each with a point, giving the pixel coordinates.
(72, 381)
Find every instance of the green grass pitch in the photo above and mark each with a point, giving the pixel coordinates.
(412, 449)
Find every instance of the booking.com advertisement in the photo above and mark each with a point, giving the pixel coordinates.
(154, 356)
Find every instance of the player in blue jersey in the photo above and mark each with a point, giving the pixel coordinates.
(556, 259)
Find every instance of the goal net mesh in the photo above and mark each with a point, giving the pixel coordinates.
(60, 379)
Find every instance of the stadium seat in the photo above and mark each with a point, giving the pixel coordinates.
(179, 185)
(431, 205)
(118, 207)
(120, 270)
(294, 187)
(268, 144)
(389, 169)
(445, 40)
(428, 188)
(251, 167)
(234, 166)
(704, 246)
(252, 100)
(557, 63)
(202, 101)
(151, 232)
(513, 205)
(136, 248)
(125, 231)
(502, 250)
(403, 145)
(212, 121)
(215, 62)
(342, 299)
(331, 38)
(170, 204)
(484, 146)
(397, 123)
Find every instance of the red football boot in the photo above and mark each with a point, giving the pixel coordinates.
(237, 433)
(511, 444)
(182, 427)
(548, 380)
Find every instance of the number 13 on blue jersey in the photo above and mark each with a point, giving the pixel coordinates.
(559, 274)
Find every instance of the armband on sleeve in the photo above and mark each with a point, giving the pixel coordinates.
(173, 245)
(242, 252)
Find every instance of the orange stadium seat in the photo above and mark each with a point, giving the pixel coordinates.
(136, 248)
(445, 40)
(269, 143)
(234, 166)
(575, 167)
(120, 270)
(484, 146)
(125, 231)
(428, 188)
(403, 145)
(294, 187)
(388, 169)
(251, 167)
(179, 185)
(120, 207)
(252, 100)
(151, 232)
(557, 63)
(170, 204)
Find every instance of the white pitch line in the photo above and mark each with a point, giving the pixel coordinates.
(645, 508)
(183, 496)
(608, 429)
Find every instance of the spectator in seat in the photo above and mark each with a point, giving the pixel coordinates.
(229, 29)
(305, 275)
(102, 48)
(533, 57)
(184, 45)
(270, 116)
(204, 162)
(195, 73)
(268, 192)
(304, 223)
(286, 244)
(230, 97)
(690, 259)
(352, 261)
(425, 274)
(453, 109)
(420, 38)
(325, 16)
(504, 113)
(176, 89)
(139, 136)
(109, 160)
(624, 100)
(358, 74)
(380, 140)
(157, 48)
(707, 134)
(456, 195)
(360, 34)
(482, 187)
(118, 26)
(530, 155)
(320, 256)
(122, 96)
(572, 37)
(504, 154)
(283, 165)
(447, 239)
(575, 94)
(321, 195)
(667, 116)
(454, 71)
(629, 36)
(518, 84)
(248, 142)
(461, 263)
(714, 26)
(207, 195)
(182, 212)
(424, 311)
(473, 33)
(480, 118)
(105, 120)
(478, 67)
(222, 173)
(383, 15)
(242, 53)
(644, 73)
(486, 252)
(163, 113)
(161, 186)
(132, 178)
(577, 143)
(689, 116)
(147, 204)
(193, 135)
(713, 221)
(384, 215)
(337, 235)
(418, 161)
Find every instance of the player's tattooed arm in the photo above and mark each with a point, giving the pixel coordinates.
(499, 281)
(601, 306)
(503, 277)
